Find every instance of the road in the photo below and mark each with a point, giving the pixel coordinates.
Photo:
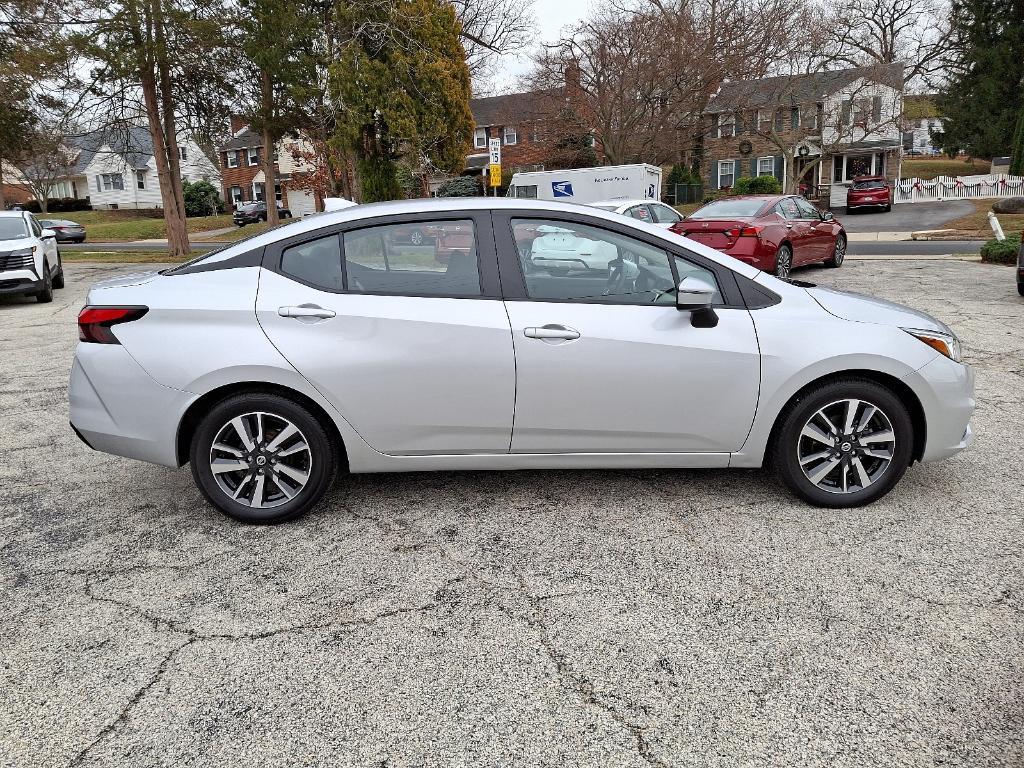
(625, 619)
(906, 217)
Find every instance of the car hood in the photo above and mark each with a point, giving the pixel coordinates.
(6, 246)
(135, 278)
(868, 309)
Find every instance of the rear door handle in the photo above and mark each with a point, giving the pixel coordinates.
(552, 332)
(311, 311)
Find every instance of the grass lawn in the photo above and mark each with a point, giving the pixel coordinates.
(120, 257)
(929, 168)
(127, 225)
(240, 233)
(979, 219)
(687, 208)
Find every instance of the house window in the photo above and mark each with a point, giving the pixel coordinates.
(182, 153)
(726, 125)
(539, 132)
(257, 191)
(510, 135)
(764, 121)
(480, 138)
(254, 156)
(860, 114)
(726, 173)
(277, 193)
(140, 179)
(845, 168)
(235, 193)
(109, 181)
(232, 158)
(766, 166)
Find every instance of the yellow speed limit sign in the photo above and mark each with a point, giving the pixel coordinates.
(495, 176)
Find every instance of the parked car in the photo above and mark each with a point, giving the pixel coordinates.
(651, 211)
(29, 260)
(251, 213)
(1020, 268)
(66, 231)
(773, 233)
(869, 192)
(282, 360)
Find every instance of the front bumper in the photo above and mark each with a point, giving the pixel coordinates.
(946, 392)
(21, 281)
(116, 407)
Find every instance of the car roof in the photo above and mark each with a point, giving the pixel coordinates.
(12, 214)
(869, 178)
(620, 203)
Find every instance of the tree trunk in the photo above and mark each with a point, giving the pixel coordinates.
(162, 122)
(269, 174)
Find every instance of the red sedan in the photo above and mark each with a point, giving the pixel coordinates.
(869, 192)
(774, 233)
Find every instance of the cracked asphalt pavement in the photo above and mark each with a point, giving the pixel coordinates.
(632, 618)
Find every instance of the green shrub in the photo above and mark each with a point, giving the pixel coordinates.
(680, 174)
(757, 185)
(461, 186)
(201, 198)
(1001, 251)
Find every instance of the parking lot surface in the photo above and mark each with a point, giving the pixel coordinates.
(633, 618)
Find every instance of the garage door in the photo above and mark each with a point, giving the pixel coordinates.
(301, 202)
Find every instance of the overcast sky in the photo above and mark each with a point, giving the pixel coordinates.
(552, 16)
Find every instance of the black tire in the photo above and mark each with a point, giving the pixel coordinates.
(45, 296)
(321, 467)
(1020, 288)
(838, 253)
(788, 442)
(783, 261)
(58, 279)
(888, 208)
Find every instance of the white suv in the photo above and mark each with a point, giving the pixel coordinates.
(29, 259)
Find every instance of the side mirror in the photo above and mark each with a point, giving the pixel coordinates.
(827, 216)
(48, 234)
(695, 296)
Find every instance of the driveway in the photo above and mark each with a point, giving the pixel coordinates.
(632, 618)
(906, 217)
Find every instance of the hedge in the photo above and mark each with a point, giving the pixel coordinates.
(1001, 251)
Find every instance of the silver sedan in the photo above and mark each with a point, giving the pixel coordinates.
(334, 344)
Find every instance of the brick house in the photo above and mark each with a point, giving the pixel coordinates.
(815, 132)
(243, 179)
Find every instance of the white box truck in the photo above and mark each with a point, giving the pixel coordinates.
(590, 185)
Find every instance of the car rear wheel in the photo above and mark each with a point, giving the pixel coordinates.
(261, 458)
(416, 237)
(838, 253)
(783, 261)
(844, 444)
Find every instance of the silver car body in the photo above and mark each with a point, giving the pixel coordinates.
(431, 383)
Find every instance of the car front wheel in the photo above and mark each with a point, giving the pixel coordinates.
(845, 443)
(261, 458)
(838, 253)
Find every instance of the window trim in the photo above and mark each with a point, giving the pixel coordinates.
(509, 129)
(771, 171)
(487, 259)
(478, 134)
(732, 173)
(140, 179)
(229, 155)
(252, 156)
(513, 282)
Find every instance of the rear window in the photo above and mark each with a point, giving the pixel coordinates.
(877, 184)
(728, 209)
(12, 228)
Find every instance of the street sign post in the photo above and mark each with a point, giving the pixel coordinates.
(495, 159)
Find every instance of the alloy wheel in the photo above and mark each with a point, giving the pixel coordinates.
(416, 237)
(846, 446)
(783, 262)
(261, 460)
(840, 251)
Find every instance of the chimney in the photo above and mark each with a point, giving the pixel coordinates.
(572, 78)
(238, 123)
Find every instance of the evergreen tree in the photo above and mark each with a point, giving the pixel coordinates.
(985, 93)
(403, 87)
(1017, 152)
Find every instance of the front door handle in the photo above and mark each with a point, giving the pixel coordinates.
(552, 332)
(311, 311)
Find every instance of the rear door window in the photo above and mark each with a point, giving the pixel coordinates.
(383, 259)
(317, 262)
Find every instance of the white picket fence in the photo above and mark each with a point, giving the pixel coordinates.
(958, 188)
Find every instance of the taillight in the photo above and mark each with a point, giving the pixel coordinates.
(94, 322)
(744, 232)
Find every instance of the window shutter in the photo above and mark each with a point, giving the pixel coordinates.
(753, 127)
(779, 167)
(794, 118)
(753, 167)
(847, 109)
(713, 165)
(99, 183)
(778, 121)
(714, 128)
(876, 108)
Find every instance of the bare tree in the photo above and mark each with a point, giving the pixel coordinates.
(46, 160)
(491, 28)
(916, 32)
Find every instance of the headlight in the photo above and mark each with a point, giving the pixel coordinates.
(945, 343)
(25, 252)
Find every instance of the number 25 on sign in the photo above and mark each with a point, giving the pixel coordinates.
(495, 177)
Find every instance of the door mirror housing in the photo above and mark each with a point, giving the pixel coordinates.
(48, 234)
(696, 296)
(827, 216)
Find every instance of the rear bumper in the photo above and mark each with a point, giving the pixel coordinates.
(116, 407)
(851, 204)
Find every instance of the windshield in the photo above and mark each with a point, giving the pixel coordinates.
(12, 228)
(874, 184)
(728, 209)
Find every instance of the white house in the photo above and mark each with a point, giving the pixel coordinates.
(117, 169)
